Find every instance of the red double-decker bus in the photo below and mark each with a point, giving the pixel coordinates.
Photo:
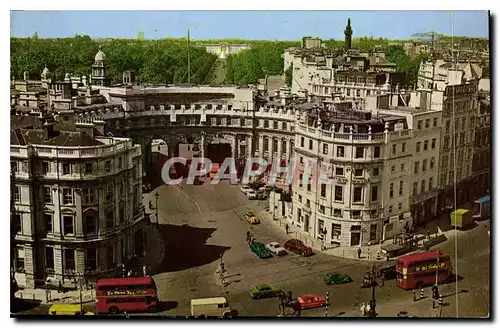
(423, 269)
(134, 294)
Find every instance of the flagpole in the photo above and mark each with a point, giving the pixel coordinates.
(189, 61)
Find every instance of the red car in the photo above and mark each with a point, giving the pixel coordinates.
(310, 301)
(298, 247)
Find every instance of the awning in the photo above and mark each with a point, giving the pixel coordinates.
(482, 200)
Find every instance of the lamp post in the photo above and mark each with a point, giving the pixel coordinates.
(373, 283)
(156, 208)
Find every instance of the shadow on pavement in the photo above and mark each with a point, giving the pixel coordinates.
(168, 305)
(185, 247)
(28, 306)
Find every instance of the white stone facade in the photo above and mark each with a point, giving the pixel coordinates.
(76, 209)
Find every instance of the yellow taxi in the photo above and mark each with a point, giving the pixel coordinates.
(252, 219)
(68, 309)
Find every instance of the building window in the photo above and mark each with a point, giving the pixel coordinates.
(310, 144)
(90, 224)
(109, 193)
(447, 126)
(325, 149)
(121, 216)
(391, 190)
(308, 203)
(266, 124)
(432, 163)
(373, 232)
(415, 188)
(300, 198)
(403, 147)
(16, 218)
(426, 145)
(427, 123)
(390, 209)
(301, 179)
(417, 148)
(68, 225)
(422, 186)
(339, 193)
(66, 168)
(88, 195)
(376, 152)
(120, 162)
(16, 195)
(430, 183)
(358, 172)
(283, 126)
(340, 151)
(433, 143)
(419, 125)
(322, 209)
(91, 259)
(375, 171)
(374, 196)
(49, 257)
(323, 190)
(336, 230)
(67, 196)
(337, 212)
(400, 206)
(339, 171)
(415, 169)
(401, 187)
(47, 195)
(45, 167)
(393, 168)
(356, 215)
(435, 121)
(69, 259)
(13, 167)
(360, 151)
(424, 165)
(47, 218)
(19, 258)
(402, 166)
(309, 184)
(107, 166)
(110, 220)
(357, 194)
(394, 149)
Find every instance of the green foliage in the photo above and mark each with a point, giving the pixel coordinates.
(289, 76)
(406, 64)
(157, 61)
(253, 64)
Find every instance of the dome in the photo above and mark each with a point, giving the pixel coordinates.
(100, 56)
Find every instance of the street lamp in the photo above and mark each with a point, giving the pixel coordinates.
(156, 207)
(371, 281)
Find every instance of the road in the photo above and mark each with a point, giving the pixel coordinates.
(201, 222)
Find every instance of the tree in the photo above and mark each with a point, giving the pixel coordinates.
(289, 75)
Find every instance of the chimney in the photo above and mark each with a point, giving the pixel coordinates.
(85, 126)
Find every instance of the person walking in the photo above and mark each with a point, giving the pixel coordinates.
(363, 309)
(359, 253)
(287, 228)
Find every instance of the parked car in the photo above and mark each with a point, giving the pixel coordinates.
(260, 250)
(252, 219)
(265, 290)
(262, 194)
(298, 247)
(336, 278)
(311, 301)
(245, 189)
(252, 195)
(276, 249)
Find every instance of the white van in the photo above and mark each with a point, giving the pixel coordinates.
(210, 307)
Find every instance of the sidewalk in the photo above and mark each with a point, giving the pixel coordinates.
(368, 253)
(155, 248)
(53, 296)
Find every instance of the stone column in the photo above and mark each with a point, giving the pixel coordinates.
(271, 150)
(202, 145)
(234, 144)
(288, 149)
(280, 150)
(261, 146)
(250, 150)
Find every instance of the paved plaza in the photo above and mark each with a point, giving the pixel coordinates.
(199, 223)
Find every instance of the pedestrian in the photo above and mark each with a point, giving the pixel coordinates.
(286, 228)
(363, 309)
(359, 253)
(144, 272)
(129, 274)
(428, 234)
(248, 236)
(368, 308)
(415, 297)
(289, 295)
(388, 257)
(382, 279)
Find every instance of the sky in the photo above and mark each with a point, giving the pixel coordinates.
(250, 25)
